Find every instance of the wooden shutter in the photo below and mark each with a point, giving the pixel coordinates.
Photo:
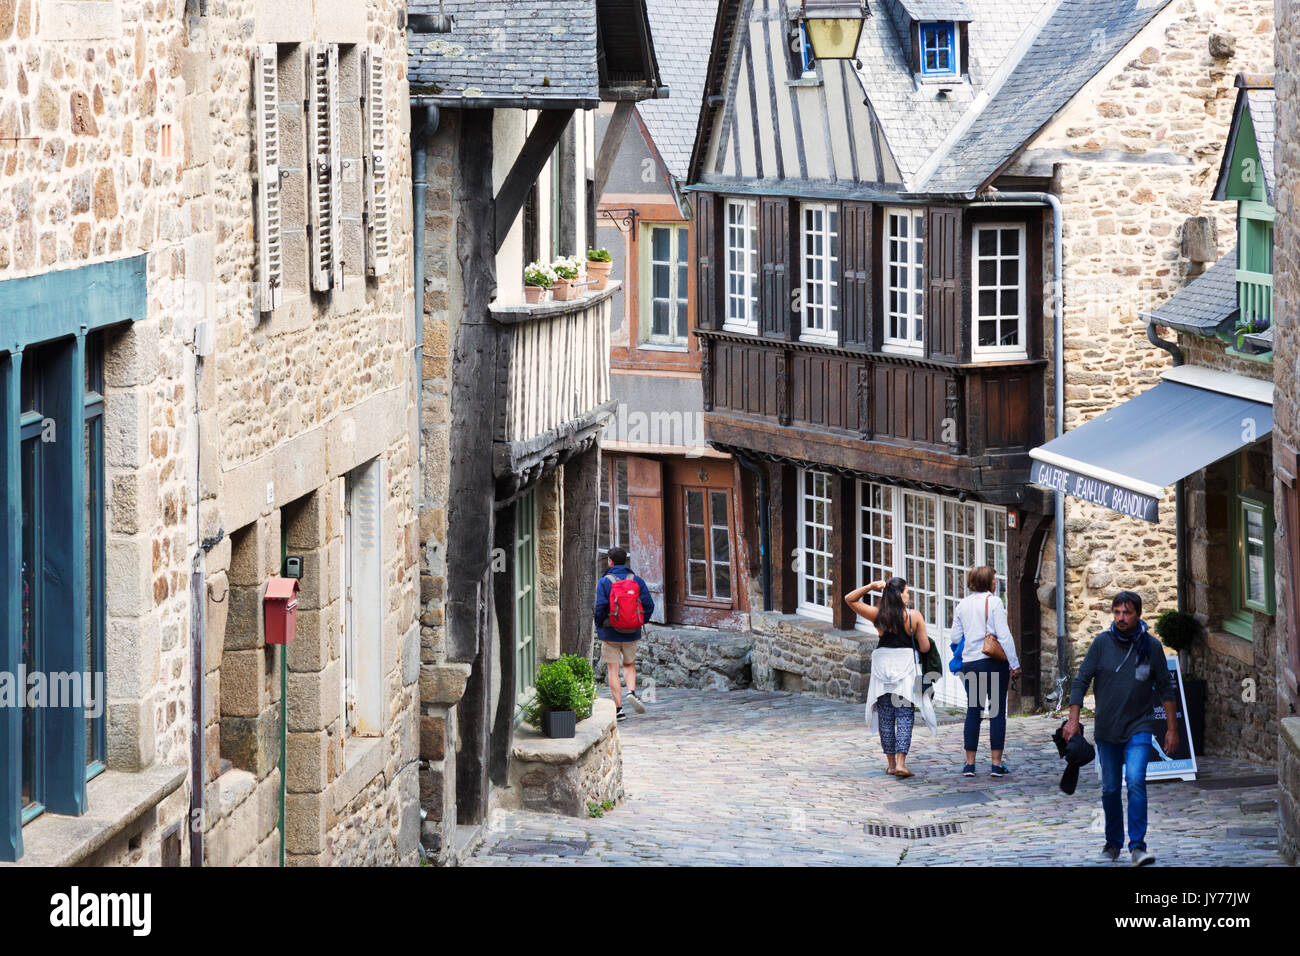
(266, 103)
(323, 179)
(945, 276)
(775, 242)
(708, 289)
(378, 226)
(1287, 467)
(856, 273)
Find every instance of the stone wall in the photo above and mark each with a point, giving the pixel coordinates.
(695, 657)
(1134, 155)
(802, 655)
(566, 775)
(1286, 400)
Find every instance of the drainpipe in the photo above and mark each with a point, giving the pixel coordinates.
(764, 528)
(1180, 487)
(424, 124)
(1058, 371)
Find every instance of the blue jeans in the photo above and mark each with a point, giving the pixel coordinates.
(986, 682)
(1130, 760)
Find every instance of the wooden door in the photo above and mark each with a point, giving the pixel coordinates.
(704, 579)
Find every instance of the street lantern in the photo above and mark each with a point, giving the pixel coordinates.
(833, 27)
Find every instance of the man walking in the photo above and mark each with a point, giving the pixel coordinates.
(623, 604)
(1127, 666)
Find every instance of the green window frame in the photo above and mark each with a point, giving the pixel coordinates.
(1254, 551)
(1255, 259)
(525, 601)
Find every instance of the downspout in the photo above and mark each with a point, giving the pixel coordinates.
(1180, 487)
(1058, 372)
(764, 529)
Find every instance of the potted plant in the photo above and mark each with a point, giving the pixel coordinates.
(566, 689)
(566, 269)
(538, 277)
(1179, 631)
(1250, 325)
(598, 266)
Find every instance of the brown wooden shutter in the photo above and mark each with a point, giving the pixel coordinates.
(775, 244)
(1287, 466)
(856, 273)
(708, 286)
(944, 277)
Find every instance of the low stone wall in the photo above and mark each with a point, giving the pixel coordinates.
(1288, 796)
(802, 655)
(1240, 694)
(563, 776)
(697, 657)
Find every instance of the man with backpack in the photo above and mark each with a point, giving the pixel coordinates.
(623, 604)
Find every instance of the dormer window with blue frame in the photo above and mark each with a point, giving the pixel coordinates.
(939, 49)
(802, 61)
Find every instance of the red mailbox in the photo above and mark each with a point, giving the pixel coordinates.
(280, 607)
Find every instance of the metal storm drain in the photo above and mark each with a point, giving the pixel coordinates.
(541, 847)
(929, 831)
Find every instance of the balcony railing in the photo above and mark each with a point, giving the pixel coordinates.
(554, 379)
(1255, 295)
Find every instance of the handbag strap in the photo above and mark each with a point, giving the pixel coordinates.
(986, 614)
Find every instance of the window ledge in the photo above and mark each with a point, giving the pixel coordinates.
(115, 799)
(661, 347)
(510, 314)
(805, 81)
(1231, 645)
(363, 760)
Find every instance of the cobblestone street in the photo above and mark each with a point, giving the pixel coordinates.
(768, 778)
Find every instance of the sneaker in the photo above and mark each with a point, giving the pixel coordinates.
(968, 770)
(619, 715)
(1109, 854)
(1143, 858)
(1000, 770)
(631, 697)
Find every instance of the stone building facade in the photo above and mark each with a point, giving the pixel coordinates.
(238, 427)
(1132, 159)
(1286, 422)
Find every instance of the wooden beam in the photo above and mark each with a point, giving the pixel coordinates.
(578, 552)
(527, 167)
(610, 144)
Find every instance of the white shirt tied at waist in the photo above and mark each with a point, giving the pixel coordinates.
(893, 671)
(968, 621)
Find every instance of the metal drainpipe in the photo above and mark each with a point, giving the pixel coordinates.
(764, 529)
(1180, 487)
(1058, 369)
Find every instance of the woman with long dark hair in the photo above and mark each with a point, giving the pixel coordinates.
(895, 690)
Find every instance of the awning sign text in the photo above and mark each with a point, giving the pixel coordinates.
(1124, 500)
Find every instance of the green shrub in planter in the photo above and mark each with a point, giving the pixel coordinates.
(1178, 630)
(566, 684)
(598, 255)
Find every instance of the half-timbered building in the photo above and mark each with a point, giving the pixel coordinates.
(877, 294)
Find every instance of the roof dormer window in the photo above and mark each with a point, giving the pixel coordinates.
(939, 53)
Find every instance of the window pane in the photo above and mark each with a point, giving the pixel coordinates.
(695, 507)
(988, 304)
(988, 242)
(988, 272)
(659, 247)
(1010, 301)
(988, 333)
(1010, 242)
(659, 324)
(683, 253)
(1255, 586)
(660, 278)
(1010, 272)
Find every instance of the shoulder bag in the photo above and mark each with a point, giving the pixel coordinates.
(931, 662)
(992, 646)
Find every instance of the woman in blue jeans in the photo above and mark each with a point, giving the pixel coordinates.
(987, 679)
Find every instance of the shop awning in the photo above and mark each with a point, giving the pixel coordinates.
(1125, 458)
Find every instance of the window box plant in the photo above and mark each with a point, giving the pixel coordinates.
(598, 266)
(1250, 325)
(538, 277)
(566, 269)
(566, 689)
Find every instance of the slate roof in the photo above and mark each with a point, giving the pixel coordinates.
(1207, 304)
(1077, 40)
(682, 32)
(1256, 94)
(937, 9)
(543, 49)
(914, 117)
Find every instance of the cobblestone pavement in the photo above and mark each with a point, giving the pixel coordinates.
(748, 777)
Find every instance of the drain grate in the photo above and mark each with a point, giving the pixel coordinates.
(542, 847)
(928, 831)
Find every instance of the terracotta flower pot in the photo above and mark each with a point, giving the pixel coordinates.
(562, 290)
(598, 272)
(533, 294)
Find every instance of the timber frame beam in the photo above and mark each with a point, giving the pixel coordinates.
(541, 142)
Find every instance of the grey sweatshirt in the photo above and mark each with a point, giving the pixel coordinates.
(1125, 703)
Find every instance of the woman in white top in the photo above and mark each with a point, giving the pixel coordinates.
(986, 678)
(895, 689)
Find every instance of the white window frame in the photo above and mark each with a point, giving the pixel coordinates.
(677, 296)
(828, 283)
(912, 265)
(950, 582)
(1020, 350)
(807, 551)
(747, 250)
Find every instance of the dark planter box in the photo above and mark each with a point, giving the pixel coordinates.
(1194, 689)
(559, 723)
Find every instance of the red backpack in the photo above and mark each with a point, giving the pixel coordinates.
(626, 615)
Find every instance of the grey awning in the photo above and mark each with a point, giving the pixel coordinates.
(1125, 458)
